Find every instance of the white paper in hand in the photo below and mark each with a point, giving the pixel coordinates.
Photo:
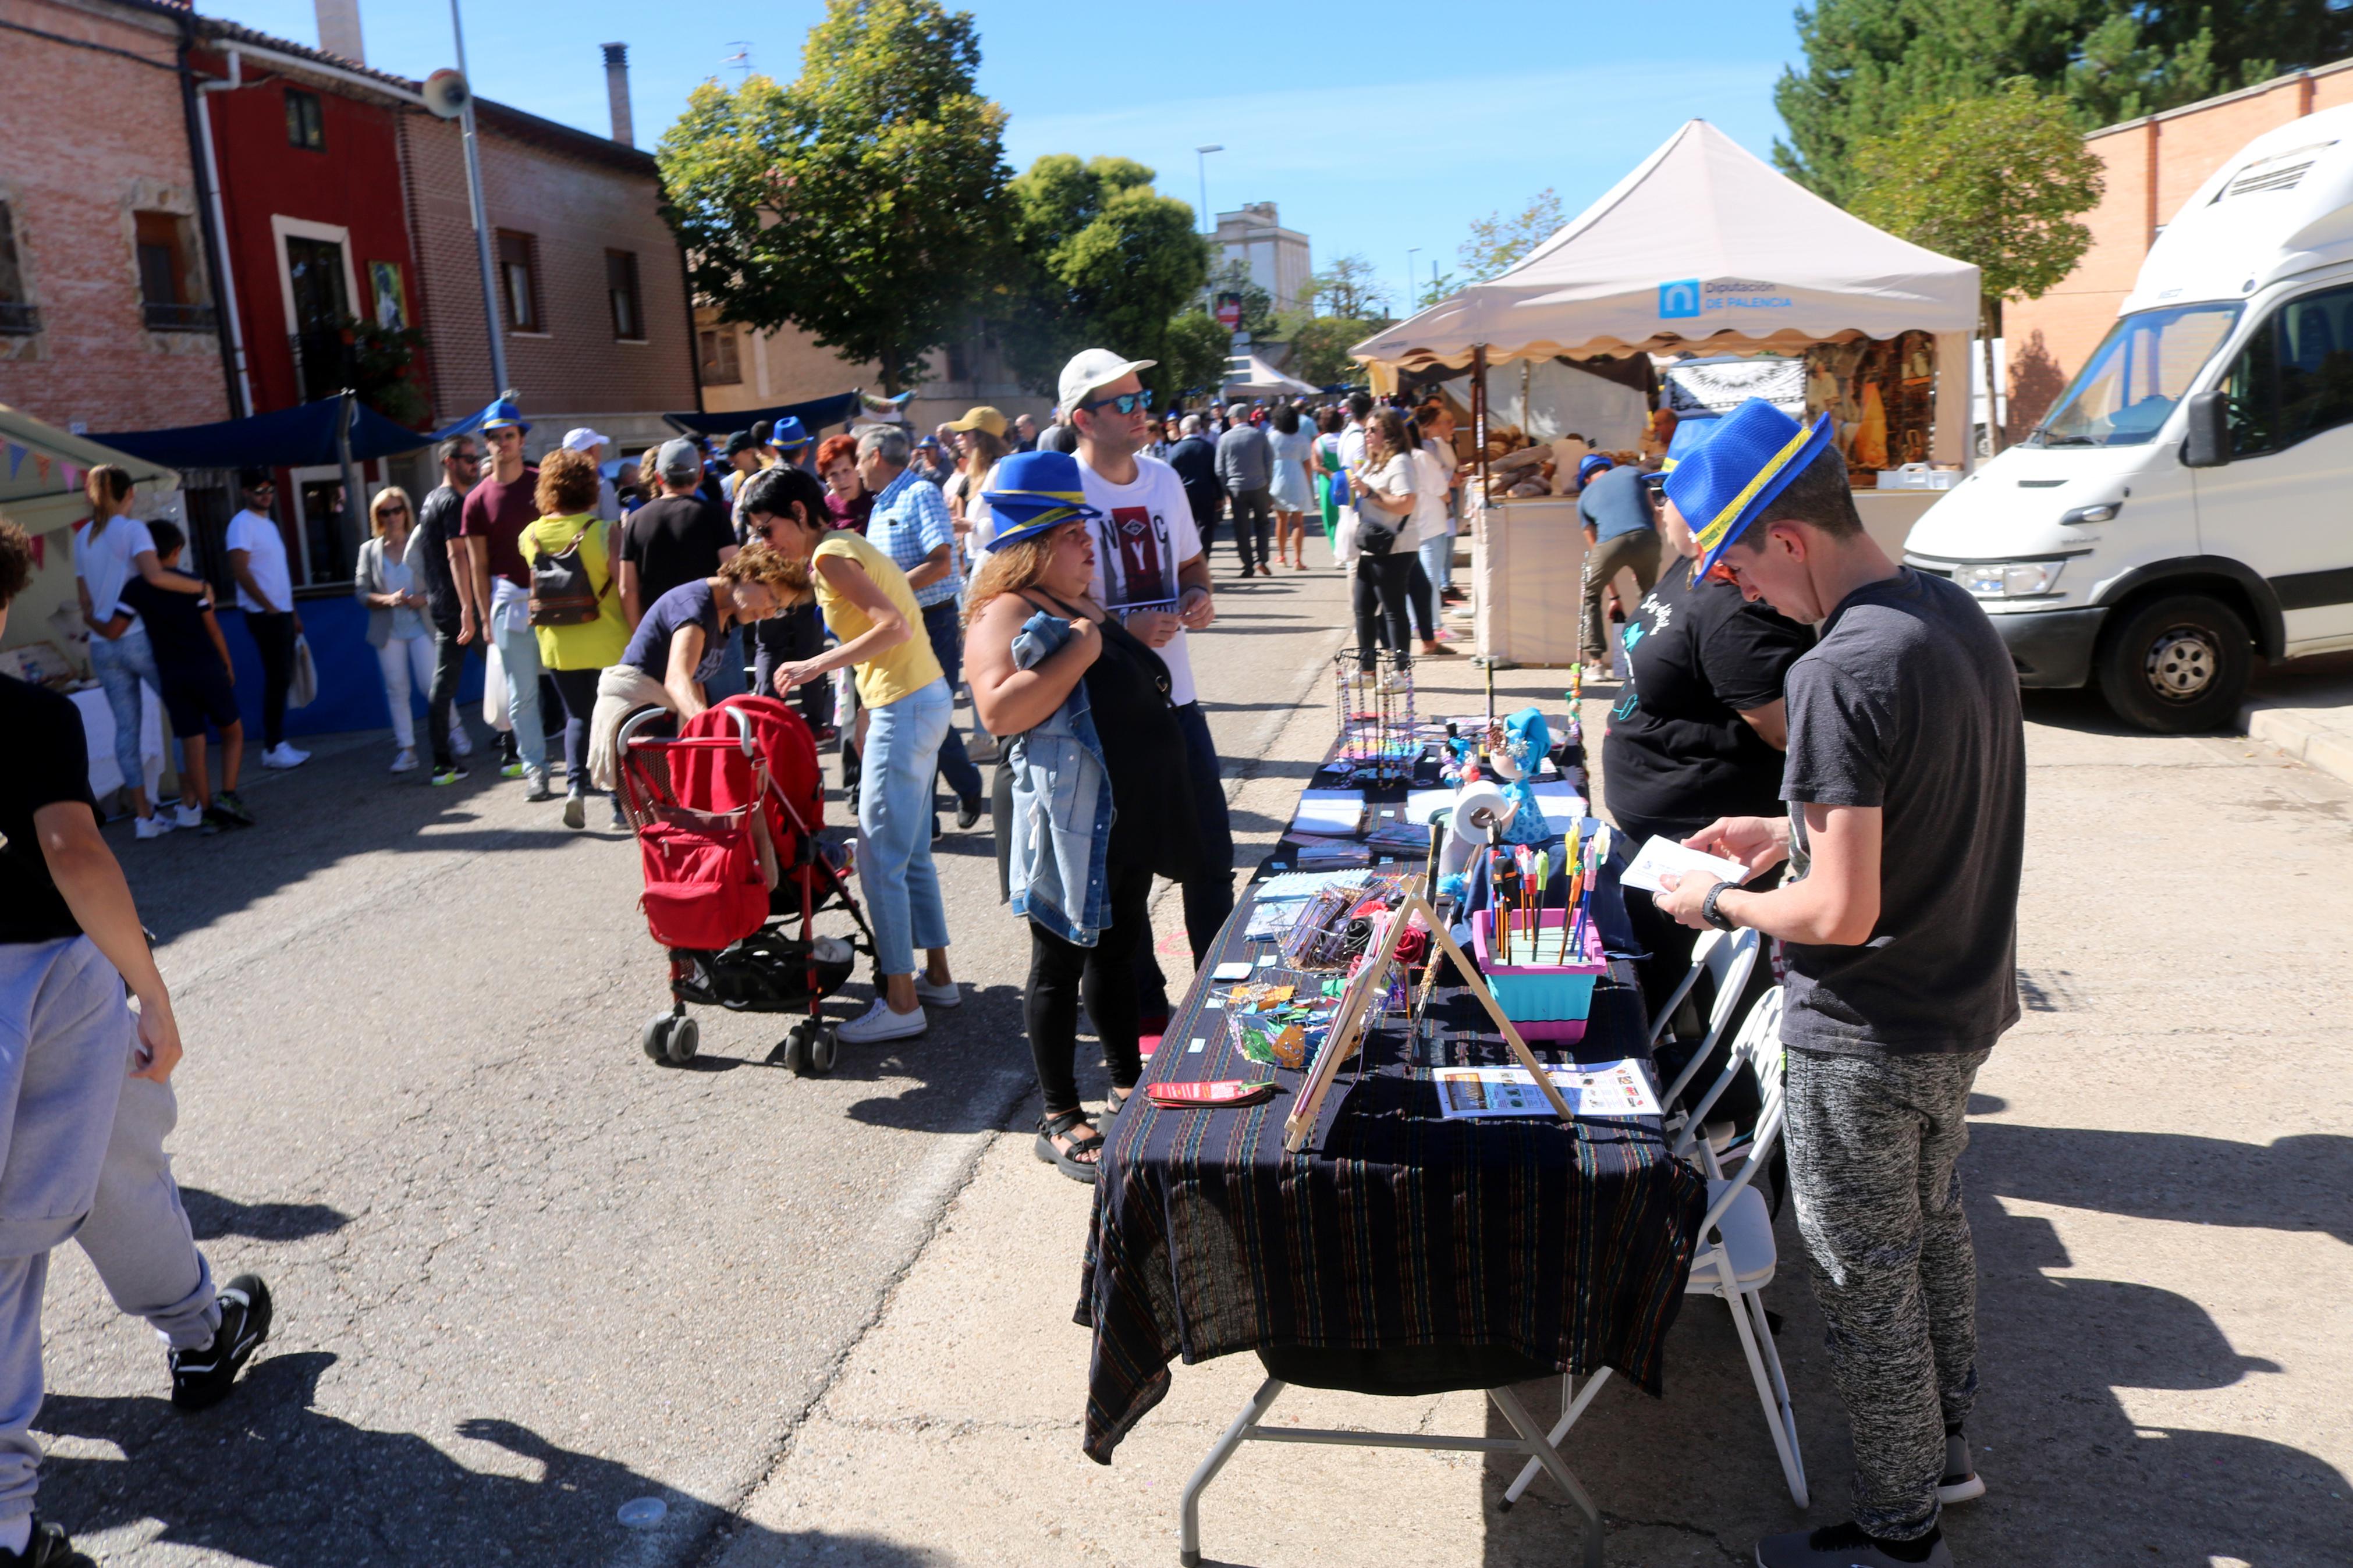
(1663, 855)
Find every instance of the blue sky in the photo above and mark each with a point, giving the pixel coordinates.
(1375, 126)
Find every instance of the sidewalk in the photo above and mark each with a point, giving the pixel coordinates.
(2305, 708)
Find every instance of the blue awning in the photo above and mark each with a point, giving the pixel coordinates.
(303, 436)
(816, 415)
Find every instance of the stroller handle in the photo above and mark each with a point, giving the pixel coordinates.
(637, 720)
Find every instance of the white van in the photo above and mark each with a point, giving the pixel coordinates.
(2188, 501)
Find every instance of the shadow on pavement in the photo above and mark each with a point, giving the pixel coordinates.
(213, 1217)
(269, 1479)
(2074, 1478)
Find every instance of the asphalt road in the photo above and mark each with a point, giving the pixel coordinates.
(523, 1276)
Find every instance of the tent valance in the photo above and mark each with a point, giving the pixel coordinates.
(1703, 246)
(1247, 376)
(303, 436)
(816, 413)
(41, 469)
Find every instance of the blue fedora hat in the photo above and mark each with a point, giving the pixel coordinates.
(1036, 492)
(1738, 468)
(789, 433)
(503, 415)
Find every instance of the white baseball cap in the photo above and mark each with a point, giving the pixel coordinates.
(583, 439)
(1093, 368)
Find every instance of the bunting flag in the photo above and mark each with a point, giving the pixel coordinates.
(40, 550)
(73, 476)
(16, 458)
(41, 463)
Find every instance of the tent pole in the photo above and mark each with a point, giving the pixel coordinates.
(1479, 436)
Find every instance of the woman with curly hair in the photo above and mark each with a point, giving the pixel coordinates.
(575, 655)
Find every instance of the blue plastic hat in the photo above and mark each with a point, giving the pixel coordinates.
(789, 433)
(1036, 492)
(1591, 464)
(503, 415)
(1747, 460)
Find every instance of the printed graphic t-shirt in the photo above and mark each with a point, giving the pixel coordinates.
(1146, 533)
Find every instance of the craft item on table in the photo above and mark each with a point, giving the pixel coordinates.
(1271, 917)
(1560, 803)
(1318, 939)
(1661, 856)
(1421, 805)
(1600, 1089)
(1398, 837)
(1543, 985)
(1306, 884)
(1329, 813)
(1219, 1094)
(1379, 738)
(1526, 741)
(1596, 853)
(1478, 807)
(1240, 969)
(1329, 852)
(1281, 1033)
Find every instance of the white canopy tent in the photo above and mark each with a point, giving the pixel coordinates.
(1703, 248)
(1247, 376)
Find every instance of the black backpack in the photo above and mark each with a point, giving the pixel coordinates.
(562, 591)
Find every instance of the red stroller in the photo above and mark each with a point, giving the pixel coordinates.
(730, 820)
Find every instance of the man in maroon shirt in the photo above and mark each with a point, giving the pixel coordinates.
(496, 512)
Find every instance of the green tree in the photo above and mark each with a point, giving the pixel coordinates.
(1100, 259)
(1869, 64)
(1193, 356)
(1257, 305)
(1498, 242)
(1440, 287)
(1319, 349)
(1996, 181)
(865, 203)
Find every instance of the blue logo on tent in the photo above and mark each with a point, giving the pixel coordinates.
(1679, 298)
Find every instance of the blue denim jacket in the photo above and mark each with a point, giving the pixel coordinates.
(1062, 805)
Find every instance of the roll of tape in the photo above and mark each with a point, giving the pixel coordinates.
(1477, 808)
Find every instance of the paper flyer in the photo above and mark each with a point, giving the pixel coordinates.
(1661, 856)
(1600, 1088)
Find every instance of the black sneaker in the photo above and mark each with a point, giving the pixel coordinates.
(1960, 1481)
(229, 804)
(49, 1548)
(202, 1378)
(1846, 1546)
(968, 811)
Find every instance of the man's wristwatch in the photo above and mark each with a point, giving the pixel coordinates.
(1710, 913)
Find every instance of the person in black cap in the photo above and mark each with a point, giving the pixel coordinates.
(1906, 833)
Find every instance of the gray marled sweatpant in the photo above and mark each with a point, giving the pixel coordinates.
(1875, 1145)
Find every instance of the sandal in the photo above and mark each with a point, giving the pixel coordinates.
(1066, 1160)
(1114, 1098)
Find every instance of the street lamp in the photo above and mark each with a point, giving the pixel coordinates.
(1201, 158)
(481, 221)
(1411, 251)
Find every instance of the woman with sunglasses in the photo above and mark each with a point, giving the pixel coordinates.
(903, 694)
(390, 587)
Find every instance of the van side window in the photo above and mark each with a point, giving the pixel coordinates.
(2294, 377)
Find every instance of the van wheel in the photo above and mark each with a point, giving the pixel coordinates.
(2177, 665)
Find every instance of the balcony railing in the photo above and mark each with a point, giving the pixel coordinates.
(176, 317)
(19, 320)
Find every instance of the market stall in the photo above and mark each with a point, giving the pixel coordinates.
(1369, 1217)
(1704, 250)
(40, 491)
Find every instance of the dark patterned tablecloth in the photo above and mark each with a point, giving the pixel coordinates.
(1564, 1247)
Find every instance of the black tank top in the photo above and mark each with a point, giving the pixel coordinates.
(1144, 750)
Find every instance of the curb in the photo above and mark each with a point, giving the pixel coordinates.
(2314, 747)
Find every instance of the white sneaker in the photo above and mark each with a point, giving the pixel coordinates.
(156, 826)
(404, 760)
(932, 996)
(283, 755)
(879, 1023)
(186, 815)
(458, 745)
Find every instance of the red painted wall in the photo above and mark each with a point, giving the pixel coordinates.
(355, 184)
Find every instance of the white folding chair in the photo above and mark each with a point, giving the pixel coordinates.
(1737, 1256)
(1728, 959)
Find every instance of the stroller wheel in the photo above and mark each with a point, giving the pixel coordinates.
(823, 1049)
(685, 1035)
(800, 1047)
(656, 1038)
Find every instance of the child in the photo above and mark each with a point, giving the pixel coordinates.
(199, 684)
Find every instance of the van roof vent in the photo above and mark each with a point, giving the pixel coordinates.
(2279, 171)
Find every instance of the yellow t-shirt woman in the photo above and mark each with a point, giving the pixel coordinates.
(891, 674)
(591, 645)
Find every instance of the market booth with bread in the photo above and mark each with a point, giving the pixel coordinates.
(1702, 258)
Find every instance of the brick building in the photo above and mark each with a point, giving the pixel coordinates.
(2152, 165)
(108, 316)
(742, 369)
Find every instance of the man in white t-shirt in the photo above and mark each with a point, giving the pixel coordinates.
(1352, 458)
(265, 591)
(1150, 569)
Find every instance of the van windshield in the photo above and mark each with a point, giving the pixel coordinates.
(2142, 369)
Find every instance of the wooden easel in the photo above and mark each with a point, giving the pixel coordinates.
(1346, 1035)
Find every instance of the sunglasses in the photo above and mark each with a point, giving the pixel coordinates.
(394, 510)
(1125, 403)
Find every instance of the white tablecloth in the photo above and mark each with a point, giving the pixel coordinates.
(97, 719)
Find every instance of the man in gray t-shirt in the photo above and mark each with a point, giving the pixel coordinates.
(1906, 783)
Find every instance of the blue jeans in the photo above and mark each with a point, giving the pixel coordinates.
(1438, 561)
(121, 665)
(943, 625)
(894, 827)
(518, 651)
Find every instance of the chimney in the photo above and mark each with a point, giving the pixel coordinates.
(617, 89)
(339, 29)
